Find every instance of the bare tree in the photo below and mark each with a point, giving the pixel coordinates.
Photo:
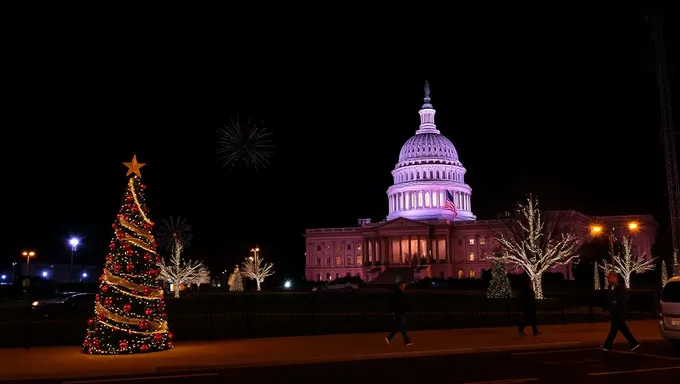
(535, 245)
(202, 276)
(253, 268)
(627, 264)
(179, 272)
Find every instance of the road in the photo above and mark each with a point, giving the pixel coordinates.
(652, 362)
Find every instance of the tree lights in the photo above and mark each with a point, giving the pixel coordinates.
(129, 315)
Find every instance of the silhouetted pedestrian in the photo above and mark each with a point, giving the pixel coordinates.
(398, 307)
(528, 306)
(617, 306)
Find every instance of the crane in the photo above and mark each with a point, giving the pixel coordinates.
(667, 134)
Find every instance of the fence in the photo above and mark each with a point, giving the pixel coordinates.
(214, 317)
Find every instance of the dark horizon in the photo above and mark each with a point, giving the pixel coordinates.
(550, 123)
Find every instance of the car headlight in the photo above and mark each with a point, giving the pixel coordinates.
(35, 303)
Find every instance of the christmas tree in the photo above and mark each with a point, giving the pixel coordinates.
(664, 273)
(129, 315)
(499, 287)
(596, 277)
(236, 281)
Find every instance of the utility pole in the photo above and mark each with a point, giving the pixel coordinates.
(667, 133)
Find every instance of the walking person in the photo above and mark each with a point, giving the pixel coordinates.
(528, 307)
(398, 307)
(617, 306)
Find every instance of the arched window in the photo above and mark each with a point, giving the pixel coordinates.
(461, 274)
(472, 274)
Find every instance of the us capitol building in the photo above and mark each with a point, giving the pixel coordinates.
(421, 237)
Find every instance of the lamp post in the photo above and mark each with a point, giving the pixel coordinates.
(14, 267)
(28, 255)
(597, 230)
(73, 242)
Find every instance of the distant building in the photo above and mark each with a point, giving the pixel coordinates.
(421, 237)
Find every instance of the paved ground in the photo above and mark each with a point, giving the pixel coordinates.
(654, 361)
(467, 355)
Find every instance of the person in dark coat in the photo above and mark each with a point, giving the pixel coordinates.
(528, 308)
(399, 307)
(617, 307)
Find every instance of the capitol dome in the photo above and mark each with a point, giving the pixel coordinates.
(429, 179)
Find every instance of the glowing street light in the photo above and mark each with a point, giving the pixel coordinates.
(28, 255)
(288, 284)
(633, 226)
(44, 274)
(73, 242)
(597, 230)
(14, 266)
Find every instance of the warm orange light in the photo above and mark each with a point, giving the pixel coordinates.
(28, 253)
(596, 229)
(31, 254)
(633, 226)
(25, 253)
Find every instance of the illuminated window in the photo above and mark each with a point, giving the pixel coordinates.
(472, 274)
(482, 241)
(472, 241)
(359, 261)
(472, 256)
(461, 274)
(338, 260)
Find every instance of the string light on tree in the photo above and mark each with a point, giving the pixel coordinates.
(235, 281)
(664, 273)
(129, 314)
(596, 277)
(181, 273)
(627, 264)
(535, 245)
(254, 268)
(499, 286)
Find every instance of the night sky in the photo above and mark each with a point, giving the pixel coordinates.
(566, 109)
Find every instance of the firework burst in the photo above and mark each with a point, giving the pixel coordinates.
(174, 229)
(245, 143)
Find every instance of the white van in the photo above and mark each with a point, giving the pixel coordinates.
(669, 325)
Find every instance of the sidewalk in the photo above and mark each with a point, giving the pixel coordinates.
(69, 362)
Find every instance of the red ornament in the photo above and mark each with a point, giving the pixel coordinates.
(148, 311)
(152, 223)
(86, 342)
(158, 259)
(129, 252)
(151, 272)
(171, 344)
(101, 317)
(96, 297)
(127, 307)
(96, 343)
(160, 305)
(142, 186)
(143, 324)
(147, 256)
(134, 208)
(116, 268)
(90, 321)
(105, 288)
(112, 245)
(130, 267)
(114, 225)
(123, 344)
(147, 290)
(108, 302)
(126, 245)
(128, 197)
(119, 215)
(170, 335)
(120, 235)
(157, 337)
(144, 348)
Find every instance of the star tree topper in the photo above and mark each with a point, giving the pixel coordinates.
(134, 166)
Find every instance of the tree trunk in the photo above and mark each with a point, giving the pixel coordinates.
(176, 290)
(538, 286)
(626, 280)
(258, 284)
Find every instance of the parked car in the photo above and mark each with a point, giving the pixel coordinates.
(669, 324)
(336, 285)
(65, 305)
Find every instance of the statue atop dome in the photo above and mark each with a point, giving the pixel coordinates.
(427, 99)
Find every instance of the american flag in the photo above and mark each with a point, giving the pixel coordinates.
(450, 205)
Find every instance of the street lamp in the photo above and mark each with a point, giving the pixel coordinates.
(14, 266)
(597, 230)
(28, 255)
(73, 242)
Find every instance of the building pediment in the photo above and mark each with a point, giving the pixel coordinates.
(403, 223)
